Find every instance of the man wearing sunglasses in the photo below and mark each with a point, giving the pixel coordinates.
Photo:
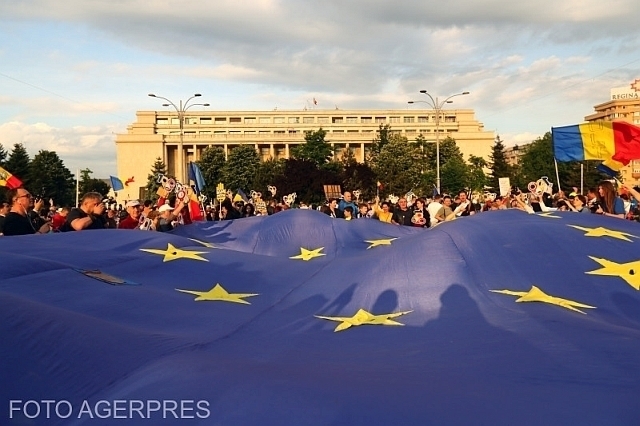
(18, 221)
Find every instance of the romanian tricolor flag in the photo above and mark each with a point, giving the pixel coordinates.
(9, 180)
(606, 140)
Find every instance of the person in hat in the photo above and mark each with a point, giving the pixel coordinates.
(165, 218)
(132, 221)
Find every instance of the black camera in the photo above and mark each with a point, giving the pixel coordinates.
(40, 196)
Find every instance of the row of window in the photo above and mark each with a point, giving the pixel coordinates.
(266, 133)
(302, 120)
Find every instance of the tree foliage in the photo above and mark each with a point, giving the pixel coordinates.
(267, 174)
(157, 168)
(211, 164)
(476, 176)
(3, 155)
(18, 165)
(51, 179)
(383, 136)
(498, 163)
(90, 184)
(397, 166)
(315, 149)
(239, 171)
(306, 179)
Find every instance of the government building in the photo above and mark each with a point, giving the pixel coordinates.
(623, 105)
(273, 133)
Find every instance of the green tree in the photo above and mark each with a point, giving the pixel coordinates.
(358, 176)
(306, 179)
(239, 171)
(498, 163)
(266, 174)
(158, 168)
(211, 163)
(477, 178)
(3, 155)
(18, 165)
(397, 166)
(89, 184)
(383, 137)
(51, 179)
(315, 148)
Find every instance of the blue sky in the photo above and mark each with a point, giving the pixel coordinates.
(73, 74)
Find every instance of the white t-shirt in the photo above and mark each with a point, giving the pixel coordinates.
(433, 208)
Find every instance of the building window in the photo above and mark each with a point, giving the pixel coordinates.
(235, 120)
(307, 120)
(220, 120)
(294, 120)
(338, 131)
(205, 120)
(278, 120)
(323, 120)
(234, 132)
(292, 132)
(394, 119)
(409, 119)
(410, 130)
(265, 120)
(352, 131)
(450, 119)
(337, 120)
(175, 120)
(352, 120)
(278, 132)
(365, 120)
(162, 121)
(264, 132)
(205, 132)
(250, 120)
(381, 119)
(423, 119)
(191, 120)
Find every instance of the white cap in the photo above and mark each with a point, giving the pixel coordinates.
(132, 203)
(165, 208)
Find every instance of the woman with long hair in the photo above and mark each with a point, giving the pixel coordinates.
(608, 204)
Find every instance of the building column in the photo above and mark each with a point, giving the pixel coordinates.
(226, 152)
(272, 151)
(286, 150)
(362, 156)
(195, 153)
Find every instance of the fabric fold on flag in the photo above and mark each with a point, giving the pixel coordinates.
(116, 184)
(195, 175)
(617, 141)
(9, 180)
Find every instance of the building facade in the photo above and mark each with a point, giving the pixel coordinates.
(157, 134)
(623, 105)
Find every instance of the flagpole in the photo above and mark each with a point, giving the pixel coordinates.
(582, 178)
(557, 174)
(77, 187)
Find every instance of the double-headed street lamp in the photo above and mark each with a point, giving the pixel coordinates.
(181, 108)
(437, 105)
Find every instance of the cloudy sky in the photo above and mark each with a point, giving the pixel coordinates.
(73, 73)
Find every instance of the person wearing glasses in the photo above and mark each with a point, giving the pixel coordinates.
(19, 220)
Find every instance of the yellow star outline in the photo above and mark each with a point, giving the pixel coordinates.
(630, 272)
(363, 317)
(173, 253)
(381, 242)
(548, 214)
(204, 243)
(604, 232)
(307, 255)
(220, 294)
(537, 295)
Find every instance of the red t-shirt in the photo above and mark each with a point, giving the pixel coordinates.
(57, 221)
(128, 223)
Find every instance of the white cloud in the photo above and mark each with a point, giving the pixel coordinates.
(79, 147)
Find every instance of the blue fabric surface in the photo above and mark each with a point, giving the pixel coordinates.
(465, 355)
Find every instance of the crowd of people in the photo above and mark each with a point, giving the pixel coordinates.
(23, 214)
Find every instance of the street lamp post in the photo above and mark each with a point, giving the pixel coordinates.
(181, 109)
(436, 105)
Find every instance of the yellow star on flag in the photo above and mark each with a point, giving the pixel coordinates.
(220, 294)
(548, 214)
(204, 243)
(173, 253)
(604, 232)
(363, 317)
(381, 242)
(537, 295)
(630, 272)
(307, 255)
